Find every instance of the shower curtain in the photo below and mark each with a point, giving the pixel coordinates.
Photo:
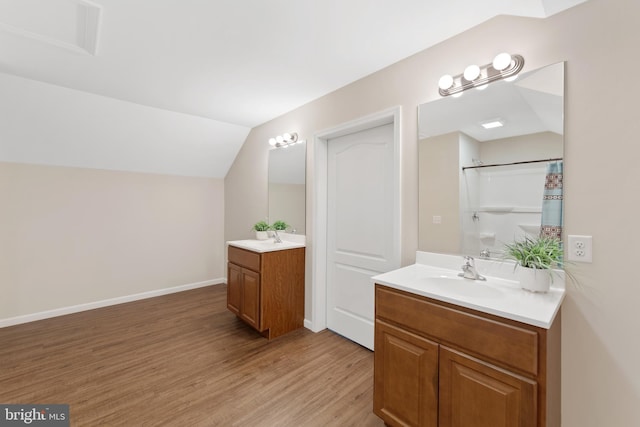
(552, 202)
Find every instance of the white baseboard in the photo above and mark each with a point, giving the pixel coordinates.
(104, 303)
(309, 325)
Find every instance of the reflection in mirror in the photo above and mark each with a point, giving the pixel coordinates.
(287, 186)
(473, 199)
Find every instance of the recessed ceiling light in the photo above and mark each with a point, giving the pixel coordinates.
(492, 124)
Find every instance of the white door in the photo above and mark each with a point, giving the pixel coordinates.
(360, 227)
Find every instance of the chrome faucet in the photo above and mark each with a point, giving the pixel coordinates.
(485, 253)
(469, 270)
(276, 237)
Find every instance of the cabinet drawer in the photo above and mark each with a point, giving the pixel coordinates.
(244, 258)
(504, 343)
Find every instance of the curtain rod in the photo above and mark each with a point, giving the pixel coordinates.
(509, 164)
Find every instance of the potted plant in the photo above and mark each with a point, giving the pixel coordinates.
(279, 225)
(536, 259)
(261, 228)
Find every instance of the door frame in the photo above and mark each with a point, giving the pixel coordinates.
(319, 211)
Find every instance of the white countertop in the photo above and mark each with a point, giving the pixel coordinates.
(289, 241)
(436, 276)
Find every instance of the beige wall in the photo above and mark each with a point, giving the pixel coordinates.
(469, 196)
(600, 371)
(73, 236)
(438, 177)
(286, 203)
(543, 145)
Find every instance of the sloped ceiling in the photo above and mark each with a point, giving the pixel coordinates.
(238, 63)
(533, 103)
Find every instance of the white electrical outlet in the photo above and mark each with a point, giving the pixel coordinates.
(437, 219)
(579, 248)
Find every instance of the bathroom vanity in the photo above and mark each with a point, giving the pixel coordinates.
(456, 352)
(265, 285)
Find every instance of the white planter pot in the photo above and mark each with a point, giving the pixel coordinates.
(262, 235)
(534, 280)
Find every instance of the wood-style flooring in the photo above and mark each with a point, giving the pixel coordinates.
(185, 360)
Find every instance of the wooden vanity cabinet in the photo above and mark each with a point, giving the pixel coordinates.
(266, 290)
(438, 364)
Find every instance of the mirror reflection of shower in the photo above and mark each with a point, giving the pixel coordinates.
(507, 201)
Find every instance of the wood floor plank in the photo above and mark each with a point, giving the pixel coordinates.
(185, 360)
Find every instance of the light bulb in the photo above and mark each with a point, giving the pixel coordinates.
(279, 139)
(445, 82)
(501, 61)
(287, 137)
(272, 142)
(472, 72)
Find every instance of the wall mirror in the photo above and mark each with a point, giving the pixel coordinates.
(287, 186)
(480, 188)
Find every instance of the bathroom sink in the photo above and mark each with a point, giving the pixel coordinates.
(265, 245)
(452, 284)
(435, 276)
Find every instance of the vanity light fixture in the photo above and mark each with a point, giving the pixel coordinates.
(504, 66)
(284, 140)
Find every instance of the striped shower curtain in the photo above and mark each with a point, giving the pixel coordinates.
(552, 202)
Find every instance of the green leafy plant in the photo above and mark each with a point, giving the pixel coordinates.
(542, 253)
(261, 226)
(279, 225)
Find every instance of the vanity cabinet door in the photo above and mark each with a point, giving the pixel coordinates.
(476, 393)
(234, 284)
(243, 294)
(250, 298)
(406, 377)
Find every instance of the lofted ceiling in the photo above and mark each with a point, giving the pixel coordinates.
(237, 62)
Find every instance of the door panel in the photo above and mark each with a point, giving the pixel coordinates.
(475, 393)
(234, 283)
(358, 297)
(406, 377)
(251, 298)
(360, 228)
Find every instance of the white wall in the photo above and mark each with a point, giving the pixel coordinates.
(41, 123)
(600, 369)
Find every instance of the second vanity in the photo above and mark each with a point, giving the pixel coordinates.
(457, 352)
(266, 284)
